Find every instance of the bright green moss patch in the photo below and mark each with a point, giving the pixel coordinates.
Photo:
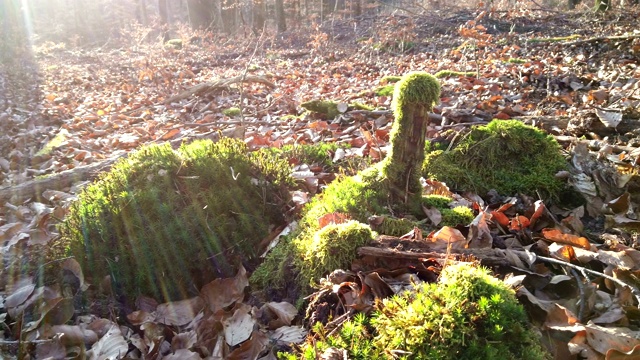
(386, 90)
(468, 314)
(449, 73)
(164, 222)
(437, 201)
(332, 247)
(231, 112)
(55, 142)
(459, 215)
(504, 155)
(516, 61)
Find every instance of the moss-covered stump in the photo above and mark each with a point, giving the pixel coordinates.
(504, 155)
(390, 186)
(468, 314)
(164, 222)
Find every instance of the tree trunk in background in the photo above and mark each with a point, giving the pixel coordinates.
(141, 12)
(200, 13)
(163, 11)
(281, 23)
(259, 16)
(229, 8)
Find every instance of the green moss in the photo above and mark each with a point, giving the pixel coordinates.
(414, 97)
(468, 314)
(459, 215)
(55, 142)
(275, 269)
(326, 107)
(516, 61)
(174, 43)
(395, 227)
(371, 191)
(390, 79)
(332, 247)
(437, 201)
(386, 90)
(164, 222)
(504, 155)
(360, 106)
(554, 39)
(449, 73)
(231, 112)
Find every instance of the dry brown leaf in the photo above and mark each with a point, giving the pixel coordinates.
(221, 293)
(252, 348)
(111, 346)
(178, 313)
(569, 239)
(239, 326)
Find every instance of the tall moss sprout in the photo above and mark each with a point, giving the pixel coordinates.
(391, 184)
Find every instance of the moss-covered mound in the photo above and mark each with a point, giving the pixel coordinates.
(468, 314)
(164, 222)
(391, 185)
(504, 155)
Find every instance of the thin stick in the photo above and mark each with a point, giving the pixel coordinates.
(634, 291)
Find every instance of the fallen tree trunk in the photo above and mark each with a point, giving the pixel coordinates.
(33, 189)
(207, 87)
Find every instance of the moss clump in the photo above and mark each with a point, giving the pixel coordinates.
(231, 112)
(459, 215)
(386, 90)
(332, 247)
(467, 315)
(436, 201)
(325, 107)
(504, 155)
(164, 222)
(311, 154)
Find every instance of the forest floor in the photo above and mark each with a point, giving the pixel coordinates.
(573, 74)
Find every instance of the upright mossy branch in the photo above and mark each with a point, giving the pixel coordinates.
(414, 97)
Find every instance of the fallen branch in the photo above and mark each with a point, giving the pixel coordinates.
(487, 257)
(208, 87)
(35, 188)
(601, 38)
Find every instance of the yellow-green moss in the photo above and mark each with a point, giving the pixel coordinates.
(55, 142)
(467, 315)
(231, 112)
(450, 73)
(459, 215)
(370, 191)
(437, 201)
(332, 247)
(504, 155)
(163, 222)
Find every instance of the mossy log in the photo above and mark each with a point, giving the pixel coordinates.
(413, 100)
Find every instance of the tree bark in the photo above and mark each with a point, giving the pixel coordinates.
(281, 22)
